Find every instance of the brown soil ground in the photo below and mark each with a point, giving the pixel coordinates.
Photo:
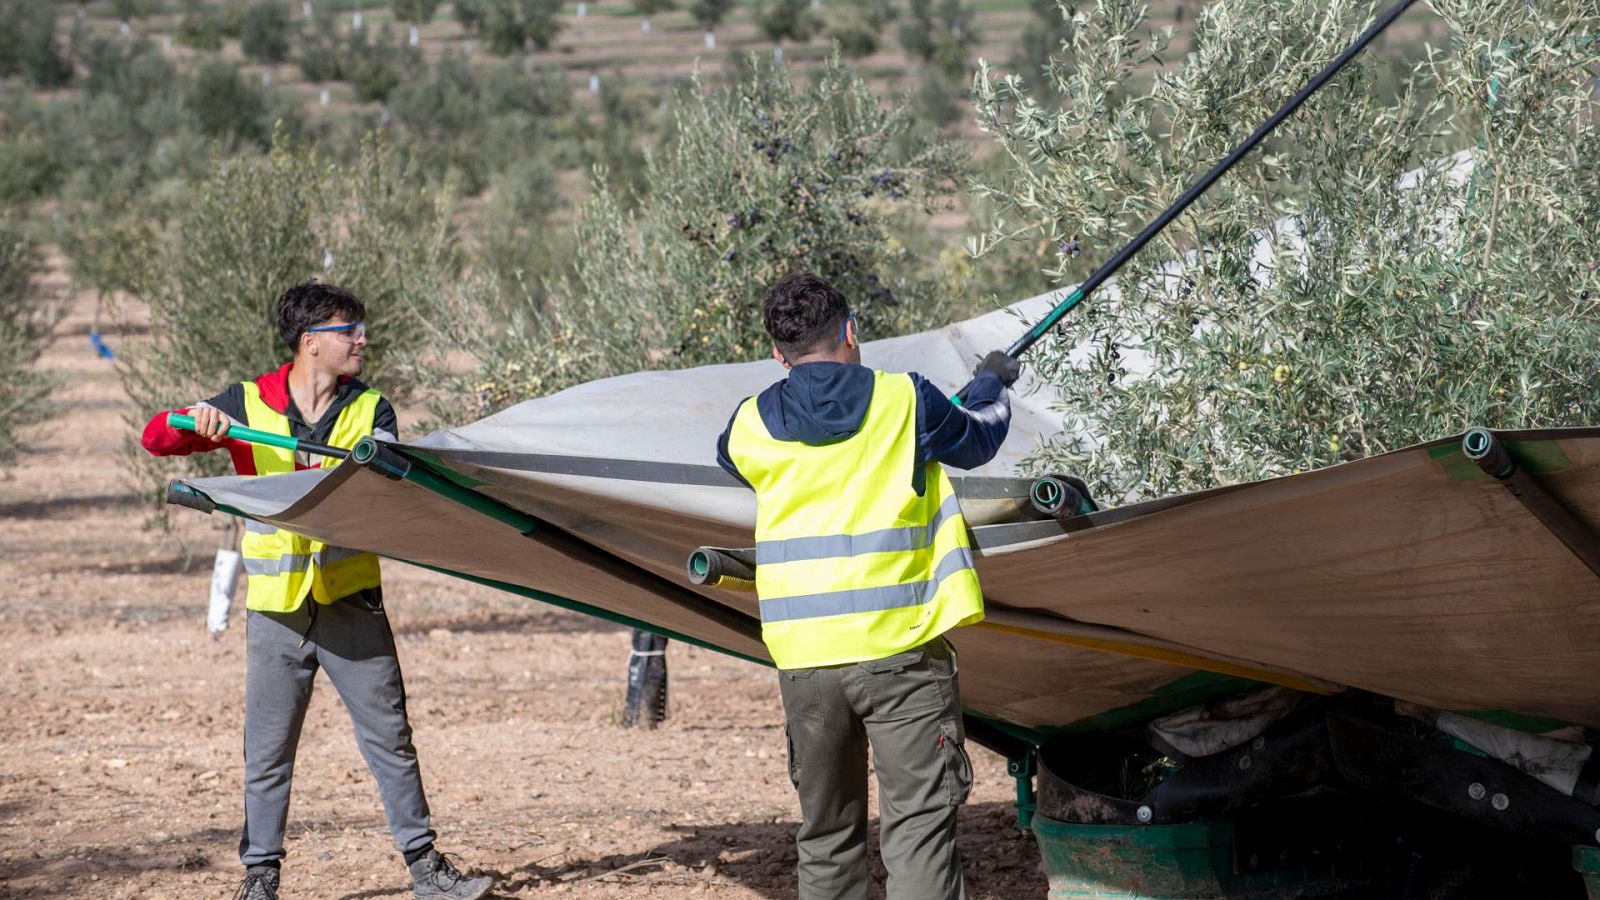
(120, 720)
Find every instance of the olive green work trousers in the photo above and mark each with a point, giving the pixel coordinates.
(907, 708)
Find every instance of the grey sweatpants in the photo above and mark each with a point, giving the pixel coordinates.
(907, 708)
(351, 641)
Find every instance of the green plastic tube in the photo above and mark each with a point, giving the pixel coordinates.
(374, 455)
(238, 432)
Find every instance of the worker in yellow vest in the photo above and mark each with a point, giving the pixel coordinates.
(312, 606)
(862, 565)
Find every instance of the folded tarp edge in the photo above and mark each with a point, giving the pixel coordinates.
(524, 591)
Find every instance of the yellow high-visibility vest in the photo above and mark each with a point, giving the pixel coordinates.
(851, 564)
(282, 565)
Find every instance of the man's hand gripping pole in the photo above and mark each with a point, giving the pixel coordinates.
(251, 436)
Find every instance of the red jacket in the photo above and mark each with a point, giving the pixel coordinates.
(162, 439)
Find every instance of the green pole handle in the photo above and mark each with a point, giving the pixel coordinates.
(251, 436)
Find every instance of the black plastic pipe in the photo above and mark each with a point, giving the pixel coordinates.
(1062, 497)
(1492, 455)
(180, 494)
(730, 570)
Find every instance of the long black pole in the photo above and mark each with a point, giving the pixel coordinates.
(1172, 212)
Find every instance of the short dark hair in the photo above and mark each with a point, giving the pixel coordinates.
(803, 313)
(311, 303)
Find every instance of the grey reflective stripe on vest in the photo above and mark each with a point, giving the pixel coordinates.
(888, 540)
(861, 600)
(298, 562)
(330, 555)
(255, 527)
(283, 565)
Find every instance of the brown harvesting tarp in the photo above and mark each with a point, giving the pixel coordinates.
(1411, 574)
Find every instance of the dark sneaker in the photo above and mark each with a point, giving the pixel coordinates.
(434, 877)
(260, 883)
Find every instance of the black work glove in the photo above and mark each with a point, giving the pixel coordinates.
(1008, 369)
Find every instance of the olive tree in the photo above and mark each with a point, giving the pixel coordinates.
(648, 8)
(374, 66)
(1391, 267)
(511, 26)
(226, 106)
(266, 32)
(1041, 39)
(788, 20)
(470, 14)
(200, 28)
(858, 27)
(28, 44)
(708, 14)
(417, 12)
(25, 322)
(941, 34)
(758, 180)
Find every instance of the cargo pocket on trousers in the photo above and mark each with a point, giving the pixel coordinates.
(957, 765)
(794, 762)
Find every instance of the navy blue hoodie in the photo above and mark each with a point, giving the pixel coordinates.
(824, 402)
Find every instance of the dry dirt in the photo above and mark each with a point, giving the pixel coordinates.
(120, 720)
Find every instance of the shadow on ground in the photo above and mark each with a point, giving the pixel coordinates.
(533, 621)
(180, 853)
(999, 863)
(172, 565)
(69, 507)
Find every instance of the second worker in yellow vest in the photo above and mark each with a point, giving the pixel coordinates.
(863, 564)
(312, 606)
